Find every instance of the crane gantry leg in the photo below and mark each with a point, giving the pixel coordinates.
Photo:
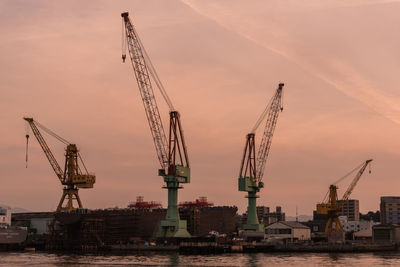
(69, 194)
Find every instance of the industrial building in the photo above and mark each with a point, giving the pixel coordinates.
(390, 210)
(350, 208)
(355, 226)
(287, 230)
(267, 217)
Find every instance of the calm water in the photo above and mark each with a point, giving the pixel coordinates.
(174, 259)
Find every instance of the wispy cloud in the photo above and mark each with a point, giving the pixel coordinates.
(345, 78)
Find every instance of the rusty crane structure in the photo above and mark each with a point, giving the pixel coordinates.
(331, 205)
(73, 176)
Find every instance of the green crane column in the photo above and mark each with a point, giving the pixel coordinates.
(252, 218)
(172, 226)
(172, 212)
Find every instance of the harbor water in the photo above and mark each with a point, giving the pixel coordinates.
(175, 259)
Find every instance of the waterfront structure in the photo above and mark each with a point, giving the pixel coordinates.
(287, 230)
(390, 210)
(363, 235)
(5, 216)
(350, 208)
(36, 222)
(385, 233)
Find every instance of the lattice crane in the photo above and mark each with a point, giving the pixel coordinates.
(331, 206)
(72, 177)
(172, 154)
(252, 167)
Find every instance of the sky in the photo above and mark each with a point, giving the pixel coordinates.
(220, 62)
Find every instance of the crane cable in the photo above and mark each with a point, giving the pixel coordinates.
(347, 175)
(344, 177)
(51, 133)
(266, 110)
(150, 66)
(123, 48)
(27, 141)
(154, 74)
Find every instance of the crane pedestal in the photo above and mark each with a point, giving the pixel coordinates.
(252, 218)
(172, 226)
(252, 187)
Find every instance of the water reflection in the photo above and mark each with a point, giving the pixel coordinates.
(253, 260)
(174, 259)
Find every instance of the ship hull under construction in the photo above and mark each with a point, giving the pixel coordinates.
(92, 230)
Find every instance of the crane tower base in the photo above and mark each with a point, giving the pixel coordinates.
(172, 226)
(252, 223)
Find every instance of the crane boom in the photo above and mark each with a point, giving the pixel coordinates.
(53, 162)
(139, 64)
(272, 113)
(355, 180)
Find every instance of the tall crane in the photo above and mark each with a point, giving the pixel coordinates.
(172, 154)
(72, 177)
(252, 167)
(331, 206)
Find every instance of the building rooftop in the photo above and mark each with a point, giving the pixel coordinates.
(292, 224)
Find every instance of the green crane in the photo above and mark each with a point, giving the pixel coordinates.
(172, 154)
(252, 167)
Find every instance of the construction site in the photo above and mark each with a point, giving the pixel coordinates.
(197, 225)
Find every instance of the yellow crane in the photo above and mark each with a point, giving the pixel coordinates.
(332, 206)
(72, 177)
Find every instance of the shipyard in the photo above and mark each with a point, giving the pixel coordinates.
(191, 131)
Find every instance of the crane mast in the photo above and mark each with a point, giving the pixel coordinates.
(331, 206)
(252, 167)
(172, 154)
(72, 177)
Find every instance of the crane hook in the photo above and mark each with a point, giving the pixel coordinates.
(123, 58)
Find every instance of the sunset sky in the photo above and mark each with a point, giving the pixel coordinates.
(220, 62)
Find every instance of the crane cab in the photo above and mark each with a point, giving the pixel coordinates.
(84, 180)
